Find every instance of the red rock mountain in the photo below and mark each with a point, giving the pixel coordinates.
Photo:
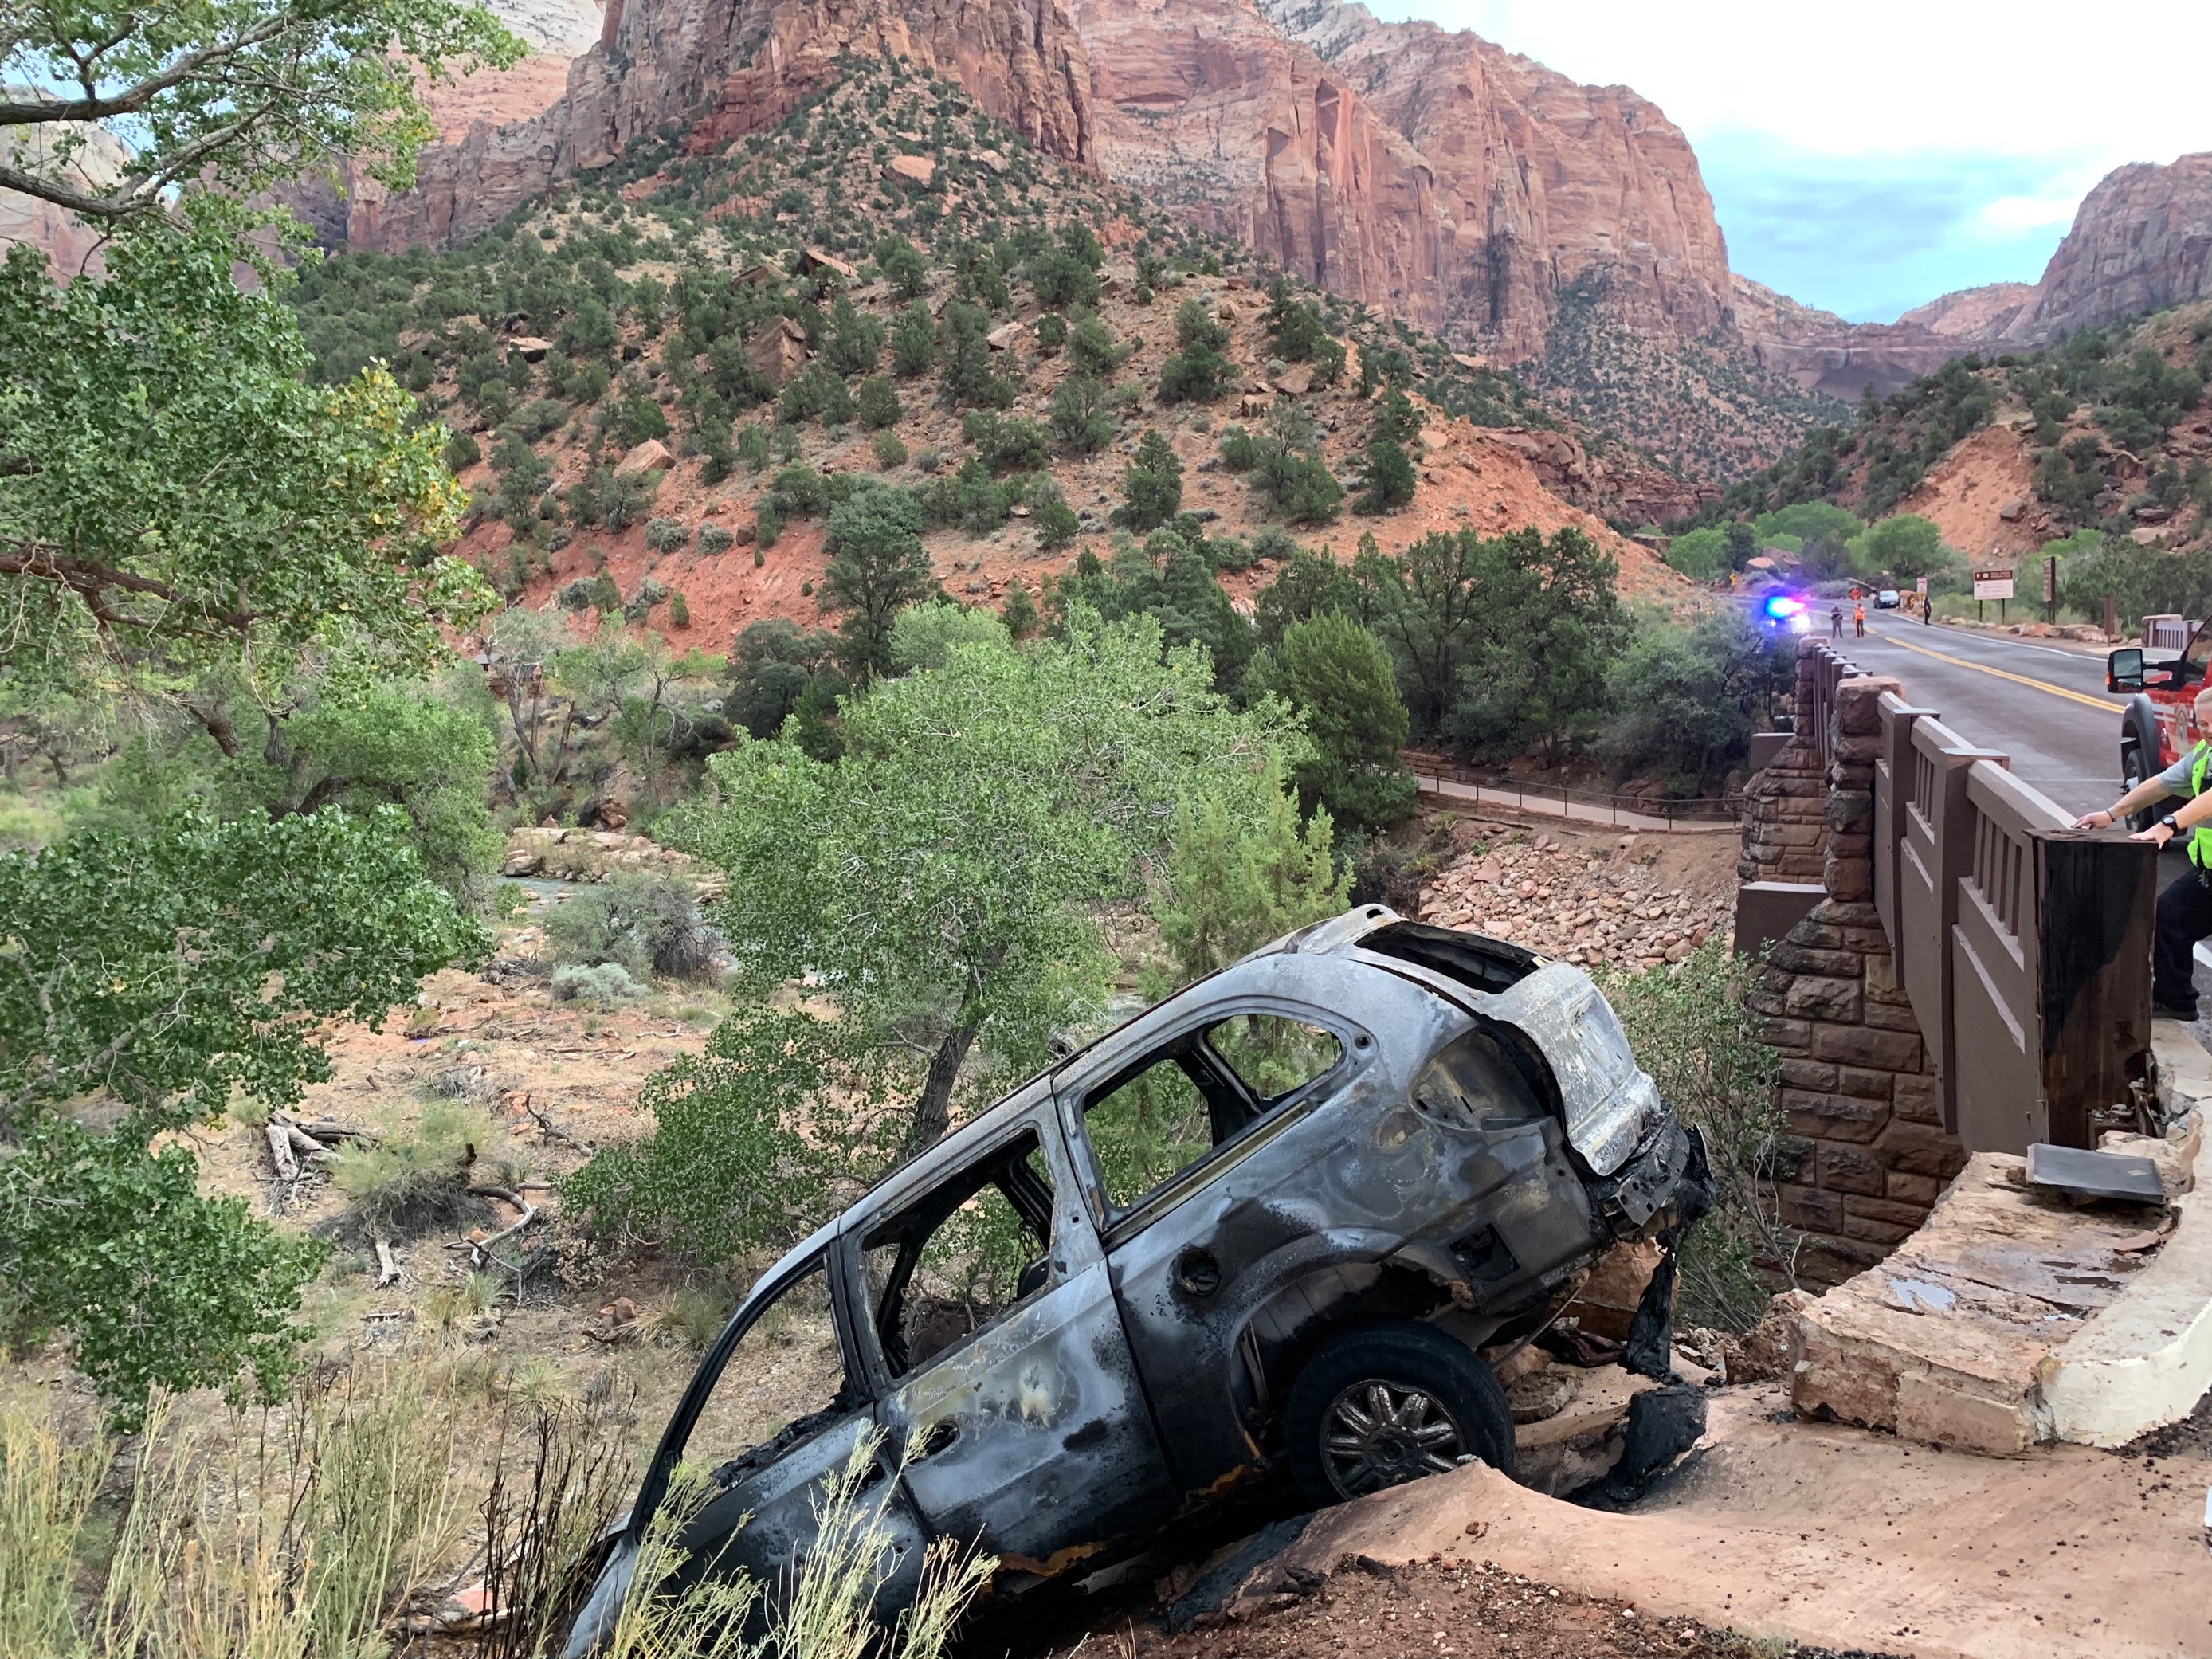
(726, 69)
(1426, 171)
(2142, 240)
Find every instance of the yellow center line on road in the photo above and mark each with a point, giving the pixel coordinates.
(2097, 703)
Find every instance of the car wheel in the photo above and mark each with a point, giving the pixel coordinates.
(2133, 771)
(1387, 1404)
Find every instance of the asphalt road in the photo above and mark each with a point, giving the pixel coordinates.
(2046, 707)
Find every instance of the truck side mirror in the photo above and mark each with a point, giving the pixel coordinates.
(2124, 670)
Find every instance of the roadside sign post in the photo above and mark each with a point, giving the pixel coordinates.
(1993, 584)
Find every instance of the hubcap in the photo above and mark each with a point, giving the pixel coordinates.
(1379, 1434)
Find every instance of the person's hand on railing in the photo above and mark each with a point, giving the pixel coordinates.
(2093, 821)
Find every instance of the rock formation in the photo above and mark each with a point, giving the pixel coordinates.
(67, 240)
(726, 70)
(1427, 173)
(1974, 314)
(1823, 353)
(2142, 240)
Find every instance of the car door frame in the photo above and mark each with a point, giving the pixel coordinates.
(1118, 1441)
(902, 1524)
(1265, 1228)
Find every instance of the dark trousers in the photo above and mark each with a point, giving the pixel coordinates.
(2184, 915)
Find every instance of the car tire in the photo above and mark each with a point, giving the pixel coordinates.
(1385, 1404)
(2133, 770)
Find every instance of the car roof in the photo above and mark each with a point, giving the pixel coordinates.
(1334, 936)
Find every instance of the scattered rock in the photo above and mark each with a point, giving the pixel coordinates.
(814, 262)
(778, 351)
(650, 456)
(1542, 1394)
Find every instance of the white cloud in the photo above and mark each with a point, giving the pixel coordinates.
(2017, 216)
(1882, 76)
(1956, 139)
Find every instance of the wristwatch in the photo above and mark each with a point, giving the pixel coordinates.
(2171, 828)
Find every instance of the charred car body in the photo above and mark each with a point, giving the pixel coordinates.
(1361, 1154)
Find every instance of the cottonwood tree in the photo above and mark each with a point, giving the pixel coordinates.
(184, 517)
(175, 497)
(1500, 644)
(940, 881)
(151, 978)
(231, 94)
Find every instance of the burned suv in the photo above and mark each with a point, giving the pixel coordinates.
(1268, 1223)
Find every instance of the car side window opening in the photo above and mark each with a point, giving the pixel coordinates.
(784, 1382)
(1153, 1122)
(962, 1256)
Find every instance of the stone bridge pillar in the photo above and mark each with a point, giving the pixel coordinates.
(1866, 1155)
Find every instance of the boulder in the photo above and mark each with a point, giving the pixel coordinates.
(1005, 336)
(778, 351)
(917, 170)
(1296, 380)
(759, 273)
(650, 456)
(814, 262)
(532, 348)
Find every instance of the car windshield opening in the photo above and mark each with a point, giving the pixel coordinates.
(783, 1383)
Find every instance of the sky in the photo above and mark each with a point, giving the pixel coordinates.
(1865, 159)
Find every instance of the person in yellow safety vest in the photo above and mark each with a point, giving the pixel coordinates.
(2184, 908)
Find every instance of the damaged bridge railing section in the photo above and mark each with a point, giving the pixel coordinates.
(2023, 945)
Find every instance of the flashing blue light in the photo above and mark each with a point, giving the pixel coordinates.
(1781, 607)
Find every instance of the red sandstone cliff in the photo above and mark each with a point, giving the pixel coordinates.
(67, 240)
(1975, 313)
(726, 70)
(1428, 173)
(1823, 353)
(2141, 241)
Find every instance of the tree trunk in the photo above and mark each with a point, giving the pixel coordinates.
(932, 1113)
(216, 717)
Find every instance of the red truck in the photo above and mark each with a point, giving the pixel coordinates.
(2158, 725)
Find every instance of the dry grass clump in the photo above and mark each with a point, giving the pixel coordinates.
(402, 1186)
(338, 1527)
(301, 1541)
